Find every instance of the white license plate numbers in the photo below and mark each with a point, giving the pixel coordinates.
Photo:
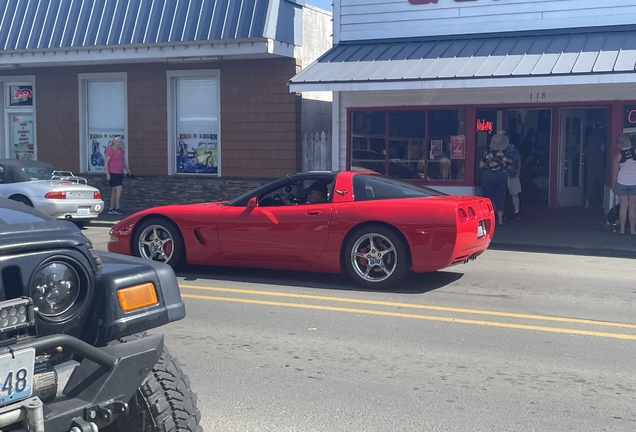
(481, 230)
(16, 375)
(83, 211)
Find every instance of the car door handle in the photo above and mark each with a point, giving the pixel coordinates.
(315, 212)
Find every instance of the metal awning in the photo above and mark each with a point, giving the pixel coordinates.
(587, 55)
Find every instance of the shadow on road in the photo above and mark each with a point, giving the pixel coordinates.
(413, 284)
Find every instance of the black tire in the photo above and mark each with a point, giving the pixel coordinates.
(164, 402)
(24, 200)
(159, 239)
(377, 257)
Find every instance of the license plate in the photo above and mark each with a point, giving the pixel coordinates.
(481, 230)
(16, 375)
(83, 211)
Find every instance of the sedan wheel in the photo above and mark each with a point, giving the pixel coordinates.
(377, 257)
(159, 240)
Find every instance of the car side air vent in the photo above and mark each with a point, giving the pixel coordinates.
(11, 283)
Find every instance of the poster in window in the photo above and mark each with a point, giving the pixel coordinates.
(22, 141)
(98, 142)
(197, 153)
(436, 148)
(458, 147)
(20, 95)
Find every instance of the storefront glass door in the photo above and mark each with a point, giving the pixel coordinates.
(571, 167)
(529, 130)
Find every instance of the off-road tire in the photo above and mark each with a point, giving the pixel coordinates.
(163, 403)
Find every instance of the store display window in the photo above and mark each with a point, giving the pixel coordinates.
(195, 108)
(629, 122)
(103, 112)
(410, 143)
(446, 145)
(19, 120)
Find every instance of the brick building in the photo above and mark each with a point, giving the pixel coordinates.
(198, 89)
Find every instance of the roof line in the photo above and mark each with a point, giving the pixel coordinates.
(521, 33)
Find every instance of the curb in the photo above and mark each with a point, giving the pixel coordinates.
(564, 250)
(101, 223)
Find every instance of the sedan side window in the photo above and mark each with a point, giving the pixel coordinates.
(284, 195)
(374, 187)
(308, 191)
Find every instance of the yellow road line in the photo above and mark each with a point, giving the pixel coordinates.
(415, 316)
(413, 306)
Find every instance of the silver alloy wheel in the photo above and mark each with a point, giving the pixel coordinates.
(156, 243)
(374, 257)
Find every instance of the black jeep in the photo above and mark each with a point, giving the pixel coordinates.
(74, 355)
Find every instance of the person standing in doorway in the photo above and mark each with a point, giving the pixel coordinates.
(494, 181)
(514, 183)
(115, 164)
(595, 163)
(624, 183)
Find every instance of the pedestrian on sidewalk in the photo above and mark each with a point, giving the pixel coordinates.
(514, 182)
(115, 164)
(496, 164)
(624, 182)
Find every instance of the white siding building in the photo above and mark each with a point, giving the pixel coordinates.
(420, 86)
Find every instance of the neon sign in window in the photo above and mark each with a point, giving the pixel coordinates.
(484, 126)
(629, 116)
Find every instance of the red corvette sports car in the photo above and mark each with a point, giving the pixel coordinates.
(373, 227)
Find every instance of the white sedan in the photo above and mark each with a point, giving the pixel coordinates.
(59, 194)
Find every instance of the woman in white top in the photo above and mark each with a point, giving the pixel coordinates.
(624, 182)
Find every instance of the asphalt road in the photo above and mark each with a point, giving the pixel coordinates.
(513, 341)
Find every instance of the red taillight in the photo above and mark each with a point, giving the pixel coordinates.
(97, 195)
(471, 213)
(55, 195)
(463, 217)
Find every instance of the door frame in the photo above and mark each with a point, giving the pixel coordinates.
(567, 197)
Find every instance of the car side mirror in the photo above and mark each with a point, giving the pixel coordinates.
(253, 202)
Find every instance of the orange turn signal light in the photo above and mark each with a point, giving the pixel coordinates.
(137, 297)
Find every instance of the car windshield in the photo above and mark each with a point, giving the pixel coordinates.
(38, 173)
(374, 187)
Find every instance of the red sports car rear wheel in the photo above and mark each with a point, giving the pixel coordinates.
(376, 257)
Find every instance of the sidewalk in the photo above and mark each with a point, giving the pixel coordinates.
(573, 231)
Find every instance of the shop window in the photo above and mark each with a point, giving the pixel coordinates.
(368, 141)
(487, 124)
(103, 110)
(629, 122)
(447, 145)
(19, 119)
(407, 148)
(195, 129)
(403, 150)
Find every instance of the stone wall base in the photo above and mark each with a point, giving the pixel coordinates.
(149, 191)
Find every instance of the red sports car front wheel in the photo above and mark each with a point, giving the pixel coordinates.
(159, 239)
(376, 257)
